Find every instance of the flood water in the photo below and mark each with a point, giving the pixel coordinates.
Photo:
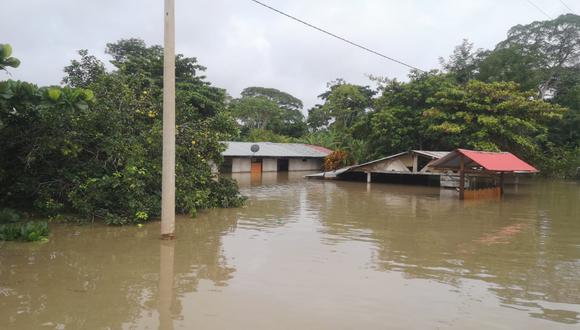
(313, 255)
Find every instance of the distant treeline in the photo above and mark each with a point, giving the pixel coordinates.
(523, 96)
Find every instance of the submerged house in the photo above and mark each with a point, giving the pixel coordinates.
(412, 166)
(477, 173)
(272, 157)
(489, 168)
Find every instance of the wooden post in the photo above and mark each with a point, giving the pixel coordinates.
(461, 178)
(415, 163)
(368, 177)
(501, 184)
(168, 164)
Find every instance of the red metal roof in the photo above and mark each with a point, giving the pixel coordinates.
(319, 148)
(490, 161)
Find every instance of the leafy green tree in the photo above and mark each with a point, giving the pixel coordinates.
(555, 42)
(491, 116)
(344, 105)
(84, 72)
(256, 112)
(396, 121)
(535, 55)
(97, 153)
(264, 135)
(269, 109)
(512, 64)
(463, 63)
(567, 131)
(282, 99)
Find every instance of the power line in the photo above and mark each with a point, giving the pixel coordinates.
(565, 5)
(337, 37)
(538, 8)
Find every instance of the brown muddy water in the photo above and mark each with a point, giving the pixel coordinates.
(313, 255)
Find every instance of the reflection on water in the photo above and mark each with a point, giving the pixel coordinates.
(313, 254)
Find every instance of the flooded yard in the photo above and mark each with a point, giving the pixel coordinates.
(313, 255)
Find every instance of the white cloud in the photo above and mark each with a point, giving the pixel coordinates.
(244, 44)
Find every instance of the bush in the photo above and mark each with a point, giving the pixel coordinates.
(337, 159)
(94, 149)
(9, 215)
(26, 231)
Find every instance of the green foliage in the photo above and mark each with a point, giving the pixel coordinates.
(8, 215)
(337, 139)
(84, 72)
(344, 105)
(97, 153)
(27, 231)
(554, 43)
(264, 135)
(434, 112)
(282, 99)
(6, 59)
(269, 109)
(463, 63)
(490, 116)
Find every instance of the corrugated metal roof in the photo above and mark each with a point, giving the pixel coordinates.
(432, 154)
(490, 161)
(271, 149)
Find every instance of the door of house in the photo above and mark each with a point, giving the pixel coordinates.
(256, 166)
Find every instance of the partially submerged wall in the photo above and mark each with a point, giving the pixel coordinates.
(305, 164)
(241, 165)
(269, 165)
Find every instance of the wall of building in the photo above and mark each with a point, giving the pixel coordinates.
(241, 165)
(269, 164)
(306, 164)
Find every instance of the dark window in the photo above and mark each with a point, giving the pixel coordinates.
(282, 165)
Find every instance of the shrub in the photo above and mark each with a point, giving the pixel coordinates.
(337, 159)
(94, 149)
(25, 231)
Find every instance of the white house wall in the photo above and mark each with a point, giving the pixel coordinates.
(243, 164)
(308, 164)
(240, 165)
(269, 165)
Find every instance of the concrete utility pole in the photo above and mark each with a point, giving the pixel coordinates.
(168, 175)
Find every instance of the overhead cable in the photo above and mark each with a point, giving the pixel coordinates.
(337, 37)
(565, 5)
(538, 8)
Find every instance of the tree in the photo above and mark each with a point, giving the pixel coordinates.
(535, 55)
(344, 105)
(555, 43)
(282, 99)
(255, 112)
(491, 116)
(84, 72)
(269, 109)
(97, 153)
(463, 63)
(396, 122)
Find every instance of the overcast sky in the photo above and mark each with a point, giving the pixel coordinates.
(243, 44)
